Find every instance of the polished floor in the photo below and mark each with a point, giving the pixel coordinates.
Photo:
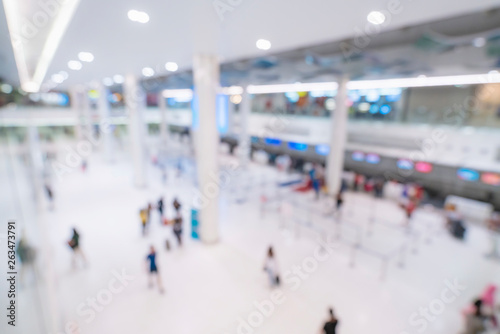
(377, 275)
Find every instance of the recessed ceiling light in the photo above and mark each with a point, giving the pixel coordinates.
(479, 42)
(107, 81)
(86, 57)
(148, 72)
(6, 88)
(119, 79)
(57, 78)
(64, 74)
(376, 17)
(171, 66)
(74, 65)
(138, 16)
(263, 44)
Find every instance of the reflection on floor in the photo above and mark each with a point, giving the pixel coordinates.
(222, 288)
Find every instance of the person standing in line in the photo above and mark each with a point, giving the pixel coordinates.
(50, 196)
(144, 220)
(340, 201)
(160, 206)
(153, 269)
(271, 267)
(177, 228)
(177, 205)
(27, 256)
(330, 327)
(74, 243)
(474, 322)
(149, 209)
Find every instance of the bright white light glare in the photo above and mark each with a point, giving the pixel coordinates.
(86, 57)
(233, 90)
(376, 17)
(57, 78)
(470, 79)
(74, 65)
(236, 99)
(137, 16)
(330, 104)
(107, 82)
(148, 72)
(30, 87)
(119, 79)
(263, 44)
(479, 42)
(364, 106)
(171, 66)
(178, 93)
(6, 88)
(297, 87)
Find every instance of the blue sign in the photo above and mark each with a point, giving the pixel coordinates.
(195, 112)
(322, 149)
(222, 105)
(467, 174)
(272, 141)
(297, 146)
(195, 224)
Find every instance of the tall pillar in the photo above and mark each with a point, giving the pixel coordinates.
(206, 80)
(244, 142)
(36, 161)
(76, 95)
(105, 129)
(135, 100)
(164, 130)
(338, 138)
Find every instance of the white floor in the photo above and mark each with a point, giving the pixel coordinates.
(211, 288)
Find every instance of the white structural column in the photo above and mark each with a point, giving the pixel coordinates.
(135, 103)
(105, 127)
(36, 161)
(164, 130)
(244, 137)
(77, 106)
(206, 80)
(338, 138)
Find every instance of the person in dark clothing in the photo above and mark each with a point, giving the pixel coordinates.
(330, 326)
(74, 243)
(153, 269)
(177, 205)
(160, 206)
(50, 196)
(178, 228)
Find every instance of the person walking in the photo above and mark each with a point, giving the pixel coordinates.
(177, 228)
(177, 205)
(149, 208)
(153, 269)
(475, 321)
(50, 196)
(330, 326)
(160, 207)
(143, 214)
(74, 243)
(271, 267)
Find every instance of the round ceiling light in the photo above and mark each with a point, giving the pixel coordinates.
(263, 44)
(74, 65)
(171, 66)
(86, 57)
(376, 17)
(148, 72)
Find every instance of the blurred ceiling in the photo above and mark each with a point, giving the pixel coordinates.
(312, 29)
